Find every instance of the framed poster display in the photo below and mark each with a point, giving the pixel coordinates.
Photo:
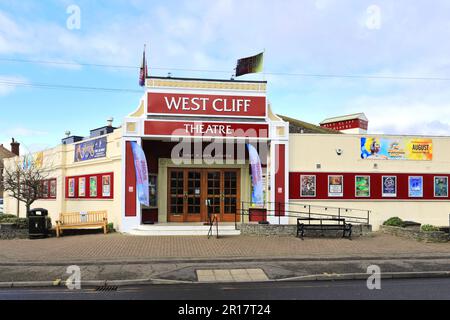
(106, 186)
(82, 187)
(308, 186)
(362, 186)
(389, 186)
(335, 186)
(71, 191)
(93, 187)
(441, 187)
(415, 186)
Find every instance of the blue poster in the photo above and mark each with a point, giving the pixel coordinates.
(140, 165)
(416, 187)
(257, 180)
(92, 149)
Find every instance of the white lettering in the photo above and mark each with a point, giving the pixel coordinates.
(220, 105)
(185, 103)
(172, 104)
(211, 129)
(215, 107)
(196, 104)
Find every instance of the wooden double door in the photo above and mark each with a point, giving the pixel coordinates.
(195, 193)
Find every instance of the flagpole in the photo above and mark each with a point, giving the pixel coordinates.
(264, 70)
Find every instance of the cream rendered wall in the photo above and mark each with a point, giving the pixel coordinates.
(164, 164)
(307, 150)
(60, 161)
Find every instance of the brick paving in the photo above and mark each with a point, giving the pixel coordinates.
(123, 248)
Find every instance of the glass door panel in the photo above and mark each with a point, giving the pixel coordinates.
(194, 192)
(176, 195)
(213, 192)
(230, 193)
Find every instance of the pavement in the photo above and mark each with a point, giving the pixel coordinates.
(122, 259)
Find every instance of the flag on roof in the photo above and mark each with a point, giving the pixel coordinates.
(144, 72)
(251, 64)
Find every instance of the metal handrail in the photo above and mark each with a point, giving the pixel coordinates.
(211, 225)
(278, 206)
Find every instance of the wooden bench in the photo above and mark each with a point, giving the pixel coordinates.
(81, 220)
(337, 224)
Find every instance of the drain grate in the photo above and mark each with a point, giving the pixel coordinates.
(107, 288)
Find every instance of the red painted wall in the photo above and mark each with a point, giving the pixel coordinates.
(375, 186)
(280, 176)
(130, 182)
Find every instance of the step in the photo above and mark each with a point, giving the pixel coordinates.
(180, 230)
(178, 227)
(136, 232)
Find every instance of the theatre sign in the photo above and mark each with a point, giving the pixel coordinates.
(206, 105)
(206, 129)
(241, 116)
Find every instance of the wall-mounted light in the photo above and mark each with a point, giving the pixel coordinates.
(318, 166)
(375, 165)
(339, 152)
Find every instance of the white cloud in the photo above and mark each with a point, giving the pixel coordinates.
(25, 132)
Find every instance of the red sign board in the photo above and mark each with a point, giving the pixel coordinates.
(202, 104)
(205, 129)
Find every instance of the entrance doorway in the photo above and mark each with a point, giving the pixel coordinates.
(192, 193)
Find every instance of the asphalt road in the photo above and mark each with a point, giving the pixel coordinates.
(391, 289)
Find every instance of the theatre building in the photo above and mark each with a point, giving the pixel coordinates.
(197, 136)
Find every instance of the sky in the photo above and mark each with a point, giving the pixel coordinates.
(400, 39)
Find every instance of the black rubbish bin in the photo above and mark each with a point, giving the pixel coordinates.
(38, 223)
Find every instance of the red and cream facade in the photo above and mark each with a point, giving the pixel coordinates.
(202, 114)
(182, 124)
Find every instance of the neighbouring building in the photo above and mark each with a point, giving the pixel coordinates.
(353, 123)
(5, 154)
(194, 132)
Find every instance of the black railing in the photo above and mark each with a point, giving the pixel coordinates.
(297, 210)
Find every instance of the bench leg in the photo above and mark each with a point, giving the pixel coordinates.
(57, 231)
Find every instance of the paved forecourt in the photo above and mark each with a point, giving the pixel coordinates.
(123, 248)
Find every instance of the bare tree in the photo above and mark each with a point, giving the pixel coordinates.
(24, 180)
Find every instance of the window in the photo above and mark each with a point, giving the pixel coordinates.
(47, 189)
(153, 190)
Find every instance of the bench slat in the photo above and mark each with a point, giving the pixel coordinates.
(72, 220)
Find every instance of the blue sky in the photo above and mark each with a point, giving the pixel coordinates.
(400, 38)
